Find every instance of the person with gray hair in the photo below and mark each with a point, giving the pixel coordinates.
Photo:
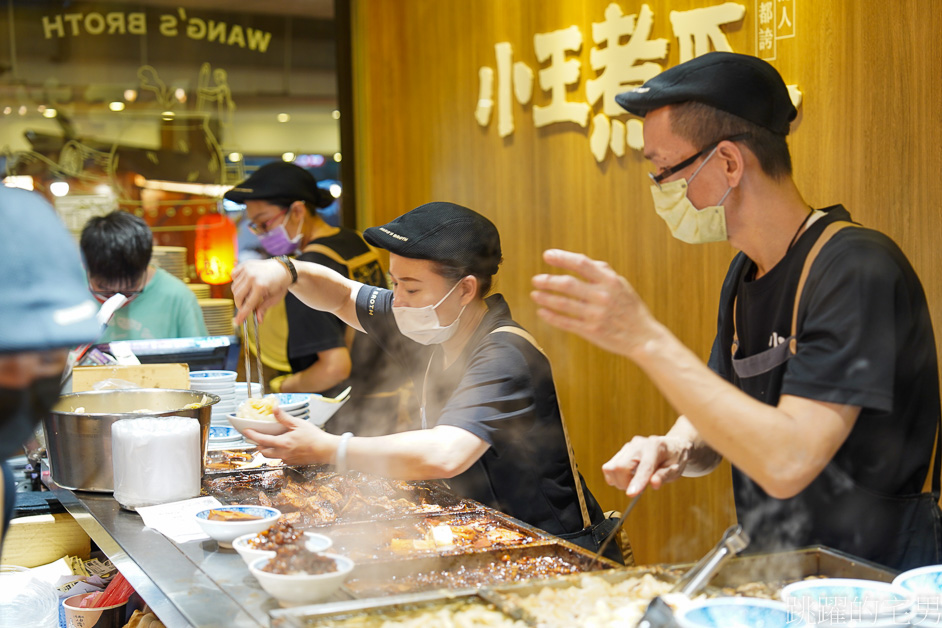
(45, 310)
(822, 387)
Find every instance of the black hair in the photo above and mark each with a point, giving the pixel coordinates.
(702, 125)
(324, 200)
(454, 272)
(117, 247)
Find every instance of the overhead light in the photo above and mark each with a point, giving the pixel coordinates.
(336, 114)
(289, 156)
(337, 157)
(130, 95)
(335, 190)
(180, 94)
(22, 110)
(41, 108)
(167, 115)
(59, 188)
(116, 105)
(103, 189)
(202, 189)
(235, 157)
(50, 113)
(283, 117)
(7, 111)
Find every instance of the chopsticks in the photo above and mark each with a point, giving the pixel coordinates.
(258, 357)
(614, 532)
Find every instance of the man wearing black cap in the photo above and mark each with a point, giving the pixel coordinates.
(822, 387)
(325, 355)
(45, 310)
(491, 422)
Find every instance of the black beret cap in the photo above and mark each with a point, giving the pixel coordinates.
(742, 85)
(442, 232)
(281, 181)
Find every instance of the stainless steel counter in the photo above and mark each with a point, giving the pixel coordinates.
(193, 584)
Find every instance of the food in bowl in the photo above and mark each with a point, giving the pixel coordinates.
(230, 526)
(256, 409)
(302, 588)
(294, 560)
(263, 545)
(231, 515)
(282, 533)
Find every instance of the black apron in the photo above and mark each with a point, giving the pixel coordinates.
(900, 531)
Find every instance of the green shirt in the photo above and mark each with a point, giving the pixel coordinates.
(166, 308)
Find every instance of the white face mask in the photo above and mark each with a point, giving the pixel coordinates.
(686, 222)
(421, 324)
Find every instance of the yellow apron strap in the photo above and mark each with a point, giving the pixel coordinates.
(586, 521)
(826, 235)
(353, 262)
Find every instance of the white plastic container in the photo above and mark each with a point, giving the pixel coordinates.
(156, 460)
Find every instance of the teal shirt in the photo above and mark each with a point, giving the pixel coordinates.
(166, 308)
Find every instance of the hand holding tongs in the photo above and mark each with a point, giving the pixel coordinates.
(258, 357)
(659, 614)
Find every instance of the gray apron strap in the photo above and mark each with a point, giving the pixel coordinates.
(769, 359)
(586, 521)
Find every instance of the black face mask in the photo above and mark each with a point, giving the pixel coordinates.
(22, 408)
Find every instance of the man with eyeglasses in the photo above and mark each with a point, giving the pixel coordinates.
(822, 387)
(117, 249)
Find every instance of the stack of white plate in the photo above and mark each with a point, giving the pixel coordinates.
(171, 258)
(201, 290)
(297, 405)
(220, 383)
(217, 313)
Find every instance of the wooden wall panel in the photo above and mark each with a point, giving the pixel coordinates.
(868, 136)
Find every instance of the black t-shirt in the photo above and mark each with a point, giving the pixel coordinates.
(864, 338)
(501, 390)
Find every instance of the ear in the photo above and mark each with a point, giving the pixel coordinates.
(733, 158)
(298, 209)
(468, 288)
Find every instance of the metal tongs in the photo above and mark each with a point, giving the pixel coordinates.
(659, 614)
(258, 357)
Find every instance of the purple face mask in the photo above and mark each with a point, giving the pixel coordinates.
(277, 242)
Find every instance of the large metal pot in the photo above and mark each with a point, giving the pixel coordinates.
(78, 430)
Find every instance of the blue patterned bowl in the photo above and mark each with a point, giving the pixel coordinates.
(738, 612)
(225, 532)
(842, 600)
(925, 583)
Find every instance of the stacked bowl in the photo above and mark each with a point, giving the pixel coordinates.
(220, 383)
(925, 585)
(297, 405)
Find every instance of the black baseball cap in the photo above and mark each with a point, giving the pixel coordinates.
(442, 232)
(279, 181)
(742, 85)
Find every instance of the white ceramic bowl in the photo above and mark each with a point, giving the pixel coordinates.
(224, 532)
(272, 428)
(291, 401)
(212, 376)
(313, 541)
(865, 602)
(322, 410)
(738, 612)
(925, 584)
(301, 589)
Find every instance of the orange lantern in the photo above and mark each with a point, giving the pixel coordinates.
(215, 249)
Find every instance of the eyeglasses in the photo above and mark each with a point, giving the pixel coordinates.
(657, 178)
(265, 227)
(104, 295)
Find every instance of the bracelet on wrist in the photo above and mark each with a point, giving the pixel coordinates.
(289, 266)
(341, 461)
